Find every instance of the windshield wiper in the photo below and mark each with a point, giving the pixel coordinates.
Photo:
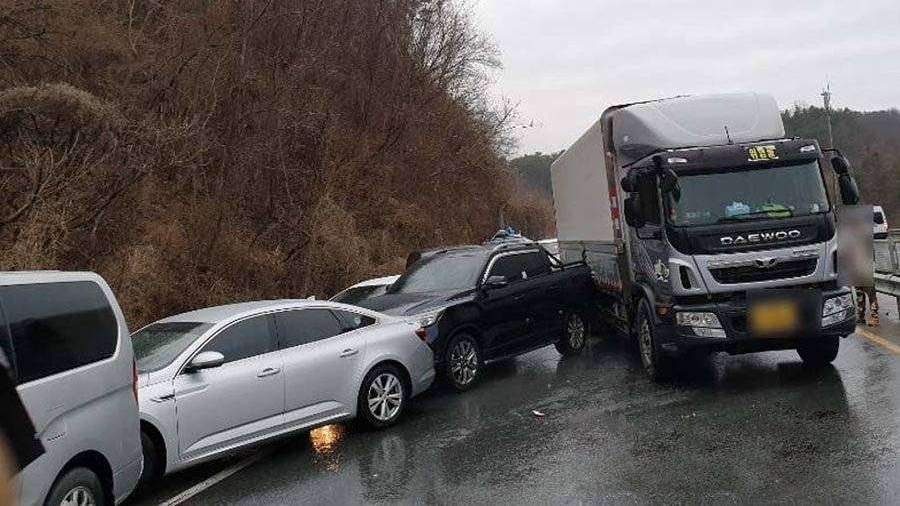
(762, 214)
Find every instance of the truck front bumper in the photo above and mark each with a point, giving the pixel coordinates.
(733, 317)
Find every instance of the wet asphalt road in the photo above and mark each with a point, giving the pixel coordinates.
(750, 428)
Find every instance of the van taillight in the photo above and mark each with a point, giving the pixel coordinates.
(134, 380)
(422, 333)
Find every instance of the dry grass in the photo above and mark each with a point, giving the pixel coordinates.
(196, 153)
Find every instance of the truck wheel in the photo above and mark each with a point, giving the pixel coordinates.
(78, 486)
(463, 362)
(656, 363)
(819, 352)
(575, 336)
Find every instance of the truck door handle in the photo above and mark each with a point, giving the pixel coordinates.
(349, 352)
(268, 371)
(553, 289)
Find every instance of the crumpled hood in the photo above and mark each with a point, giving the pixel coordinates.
(408, 304)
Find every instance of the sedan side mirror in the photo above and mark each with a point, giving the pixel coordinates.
(206, 360)
(494, 282)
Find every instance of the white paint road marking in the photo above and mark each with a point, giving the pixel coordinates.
(213, 480)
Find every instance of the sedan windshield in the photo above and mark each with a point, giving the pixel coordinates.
(441, 273)
(157, 345)
(743, 195)
(355, 295)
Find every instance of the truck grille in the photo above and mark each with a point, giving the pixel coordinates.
(750, 273)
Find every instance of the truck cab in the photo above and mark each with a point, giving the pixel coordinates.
(728, 241)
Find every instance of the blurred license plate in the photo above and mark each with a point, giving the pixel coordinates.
(773, 318)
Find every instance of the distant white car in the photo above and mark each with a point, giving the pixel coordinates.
(880, 225)
(361, 291)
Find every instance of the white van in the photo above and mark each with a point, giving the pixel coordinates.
(71, 358)
(880, 225)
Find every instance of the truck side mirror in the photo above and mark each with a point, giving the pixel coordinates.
(629, 182)
(840, 165)
(849, 190)
(633, 216)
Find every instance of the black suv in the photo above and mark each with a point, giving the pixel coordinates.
(479, 304)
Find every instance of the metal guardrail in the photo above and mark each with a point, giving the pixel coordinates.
(887, 264)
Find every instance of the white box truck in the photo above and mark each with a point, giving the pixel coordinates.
(706, 229)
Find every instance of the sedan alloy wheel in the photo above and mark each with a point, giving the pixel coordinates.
(385, 396)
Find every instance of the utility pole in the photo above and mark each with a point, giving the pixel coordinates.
(826, 97)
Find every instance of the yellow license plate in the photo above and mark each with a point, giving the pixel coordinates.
(770, 318)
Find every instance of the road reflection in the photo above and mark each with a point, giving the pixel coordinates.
(325, 442)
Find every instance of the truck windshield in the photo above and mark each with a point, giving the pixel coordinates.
(752, 194)
(441, 273)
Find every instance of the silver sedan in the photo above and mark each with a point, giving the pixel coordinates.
(217, 379)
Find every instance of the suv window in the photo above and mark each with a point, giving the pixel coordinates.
(511, 267)
(56, 327)
(304, 326)
(536, 263)
(351, 321)
(245, 339)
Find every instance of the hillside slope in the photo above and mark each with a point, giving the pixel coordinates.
(197, 153)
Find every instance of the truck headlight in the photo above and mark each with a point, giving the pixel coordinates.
(837, 309)
(703, 324)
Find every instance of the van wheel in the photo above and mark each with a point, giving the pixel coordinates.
(657, 364)
(575, 337)
(463, 362)
(78, 487)
(382, 396)
(151, 472)
(819, 352)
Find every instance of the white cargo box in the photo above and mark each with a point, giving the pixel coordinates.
(643, 128)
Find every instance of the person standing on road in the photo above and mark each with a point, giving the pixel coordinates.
(18, 445)
(863, 293)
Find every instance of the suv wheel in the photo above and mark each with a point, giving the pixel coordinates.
(382, 396)
(78, 487)
(656, 363)
(819, 352)
(463, 362)
(575, 336)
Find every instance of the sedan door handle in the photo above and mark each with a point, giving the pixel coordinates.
(349, 352)
(268, 371)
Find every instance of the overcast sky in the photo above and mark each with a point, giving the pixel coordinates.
(566, 61)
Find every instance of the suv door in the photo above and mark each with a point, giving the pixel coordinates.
(323, 357)
(237, 401)
(506, 313)
(545, 295)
